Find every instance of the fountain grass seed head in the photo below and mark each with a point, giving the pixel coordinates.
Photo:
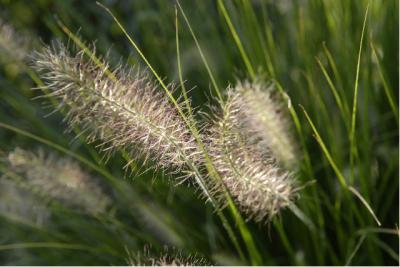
(168, 257)
(122, 108)
(260, 187)
(58, 178)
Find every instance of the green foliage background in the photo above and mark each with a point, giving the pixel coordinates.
(309, 47)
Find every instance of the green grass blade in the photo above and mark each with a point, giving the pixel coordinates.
(379, 231)
(178, 60)
(237, 40)
(336, 169)
(334, 92)
(385, 247)
(203, 58)
(254, 254)
(332, 64)
(385, 84)
(269, 41)
(359, 243)
(354, 110)
(253, 23)
(357, 194)
(325, 150)
(297, 124)
(285, 241)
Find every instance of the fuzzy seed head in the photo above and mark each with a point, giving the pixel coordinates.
(57, 178)
(121, 108)
(258, 185)
(265, 120)
(170, 257)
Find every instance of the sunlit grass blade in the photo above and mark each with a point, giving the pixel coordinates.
(365, 203)
(303, 217)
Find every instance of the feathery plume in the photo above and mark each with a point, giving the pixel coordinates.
(122, 108)
(20, 204)
(265, 120)
(58, 179)
(260, 187)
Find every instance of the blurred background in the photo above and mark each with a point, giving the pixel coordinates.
(306, 46)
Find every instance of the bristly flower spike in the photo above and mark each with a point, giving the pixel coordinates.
(169, 257)
(121, 108)
(259, 186)
(58, 178)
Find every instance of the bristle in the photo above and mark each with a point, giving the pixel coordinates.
(122, 109)
(57, 178)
